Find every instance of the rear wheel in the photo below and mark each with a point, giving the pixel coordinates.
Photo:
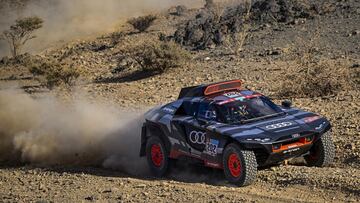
(322, 152)
(240, 166)
(157, 156)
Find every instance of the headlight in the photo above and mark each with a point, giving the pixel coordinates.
(311, 119)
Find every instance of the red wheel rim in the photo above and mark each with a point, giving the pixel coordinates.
(234, 165)
(157, 156)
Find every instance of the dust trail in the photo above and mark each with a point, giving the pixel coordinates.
(66, 20)
(47, 132)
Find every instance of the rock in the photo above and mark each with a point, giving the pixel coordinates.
(107, 191)
(90, 198)
(355, 32)
(355, 65)
(140, 186)
(165, 194)
(350, 146)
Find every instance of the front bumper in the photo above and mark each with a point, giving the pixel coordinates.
(274, 152)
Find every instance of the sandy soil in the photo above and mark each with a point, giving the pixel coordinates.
(261, 71)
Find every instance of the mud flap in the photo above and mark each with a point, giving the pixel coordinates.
(143, 141)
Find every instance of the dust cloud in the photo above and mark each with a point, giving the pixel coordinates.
(68, 20)
(45, 131)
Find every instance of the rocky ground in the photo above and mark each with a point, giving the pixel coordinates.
(270, 52)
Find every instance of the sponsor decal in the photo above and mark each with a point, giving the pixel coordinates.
(295, 135)
(232, 94)
(215, 165)
(226, 101)
(320, 126)
(211, 147)
(197, 137)
(292, 146)
(168, 110)
(238, 98)
(291, 150)
(278, 125)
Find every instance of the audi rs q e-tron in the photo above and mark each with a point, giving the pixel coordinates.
(224, 126)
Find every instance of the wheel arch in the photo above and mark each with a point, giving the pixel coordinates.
(152, 129)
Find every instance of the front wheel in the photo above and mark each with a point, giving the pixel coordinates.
(240, 166)
(157, 156)
(322, 152)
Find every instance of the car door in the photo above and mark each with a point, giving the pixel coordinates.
(197, 135)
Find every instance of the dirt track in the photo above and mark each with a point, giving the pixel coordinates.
(271, 52)
(278, 184)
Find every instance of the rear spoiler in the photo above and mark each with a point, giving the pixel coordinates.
(184, 91)
(206, 90)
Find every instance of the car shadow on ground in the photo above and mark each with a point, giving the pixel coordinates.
(186, 173)
(181, 172)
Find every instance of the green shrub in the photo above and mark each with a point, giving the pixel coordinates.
(157, 56)
(142, 23)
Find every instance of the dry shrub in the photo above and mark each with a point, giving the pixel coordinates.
(156, 56)
(51, 74)
(21, 32)
(235, 41)
(313, 75)
(179, 10)
(142, 23)
(316, 80)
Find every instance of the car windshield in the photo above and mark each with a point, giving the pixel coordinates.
(240, 111)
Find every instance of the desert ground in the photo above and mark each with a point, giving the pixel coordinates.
(277, 59)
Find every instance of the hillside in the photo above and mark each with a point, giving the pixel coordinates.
(306, 51)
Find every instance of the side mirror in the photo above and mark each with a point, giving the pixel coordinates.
(286, 103)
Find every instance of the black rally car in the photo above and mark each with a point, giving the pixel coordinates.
(224, 126)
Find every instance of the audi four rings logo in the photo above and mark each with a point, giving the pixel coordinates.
(197, 137)
(278, 125)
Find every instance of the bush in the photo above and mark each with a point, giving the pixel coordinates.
(52, 74)
(157, 56)
(316, 80)
(142, 23)
(209, 4)
(21, 32)
(179, 10)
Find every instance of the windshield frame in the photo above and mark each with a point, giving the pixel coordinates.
(277, 111)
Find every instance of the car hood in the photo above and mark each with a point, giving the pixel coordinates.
(281, 127)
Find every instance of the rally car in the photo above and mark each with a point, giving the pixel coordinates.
(225, 126)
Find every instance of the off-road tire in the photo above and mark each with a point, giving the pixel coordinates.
(157, 170)
(248, 165)
(322, 153)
